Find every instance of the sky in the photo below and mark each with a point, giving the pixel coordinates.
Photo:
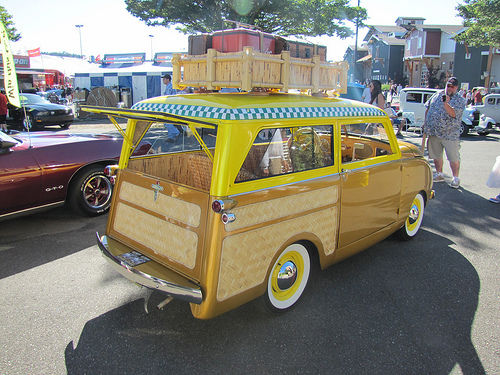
(109, 28)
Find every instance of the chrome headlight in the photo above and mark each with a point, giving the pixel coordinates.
(43, 113)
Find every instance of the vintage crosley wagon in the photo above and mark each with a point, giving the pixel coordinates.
(240, 192)
(250, 189)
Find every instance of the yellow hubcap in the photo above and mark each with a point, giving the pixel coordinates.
(287, 275)
(415, 210)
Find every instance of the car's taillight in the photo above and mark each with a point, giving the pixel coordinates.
(220, 206)
(111, 170)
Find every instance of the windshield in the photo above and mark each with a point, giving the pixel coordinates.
(32, 99)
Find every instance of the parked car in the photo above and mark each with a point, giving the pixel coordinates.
(253, 189)
(40, 113)
(413, 99)
(44, 170)
(489, 114)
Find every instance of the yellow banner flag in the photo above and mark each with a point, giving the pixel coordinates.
(9, 69)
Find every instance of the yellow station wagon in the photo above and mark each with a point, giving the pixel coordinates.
(253, 187)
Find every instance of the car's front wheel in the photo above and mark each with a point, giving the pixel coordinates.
(464, 129)
(65, 125)
(91, 191)
(288, 278)
(414, 219)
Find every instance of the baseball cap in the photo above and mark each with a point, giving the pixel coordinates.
(166, 76)
(452, 81)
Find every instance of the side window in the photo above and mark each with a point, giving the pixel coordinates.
(364, 141)
(491, 101)
(427, 97)
(287, 150)
(414, 97)
(498, 101)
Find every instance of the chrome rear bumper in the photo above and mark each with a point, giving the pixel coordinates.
(177, 287)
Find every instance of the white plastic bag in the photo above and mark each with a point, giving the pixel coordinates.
(494, 178)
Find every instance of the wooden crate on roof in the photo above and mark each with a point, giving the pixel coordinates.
(249, 69)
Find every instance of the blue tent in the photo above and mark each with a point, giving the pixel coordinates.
(354, 91)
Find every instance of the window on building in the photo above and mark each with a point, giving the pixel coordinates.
(467, 56)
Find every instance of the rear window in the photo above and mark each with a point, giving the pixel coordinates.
(281, 151)
(164, 138)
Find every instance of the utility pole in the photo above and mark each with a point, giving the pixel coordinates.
(79, 27)
(356, 48)
(151, 36)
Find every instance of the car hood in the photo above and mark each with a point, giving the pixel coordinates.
(44, 139)
(45, 107)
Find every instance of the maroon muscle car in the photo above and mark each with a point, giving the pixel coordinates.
(44, 170)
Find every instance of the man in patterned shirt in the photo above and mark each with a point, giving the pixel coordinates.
(442, 127)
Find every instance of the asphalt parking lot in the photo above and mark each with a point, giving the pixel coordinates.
(427, 306)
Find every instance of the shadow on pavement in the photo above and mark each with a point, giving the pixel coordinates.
(31, 241)
(462, 213)
(389, 310)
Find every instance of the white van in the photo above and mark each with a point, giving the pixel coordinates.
(413, 99)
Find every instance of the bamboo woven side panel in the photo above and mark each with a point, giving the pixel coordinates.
(249, 69)
(257, 248)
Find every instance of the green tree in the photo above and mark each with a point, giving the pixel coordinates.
(9, 25)
(283, 17)
(482, 19)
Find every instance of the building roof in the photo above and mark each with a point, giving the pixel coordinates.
(392, 41)
(383, 29)
(449, 29)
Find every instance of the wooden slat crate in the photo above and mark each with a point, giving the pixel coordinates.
(249, 69)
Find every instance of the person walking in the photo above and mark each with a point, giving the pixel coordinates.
(366, 96)
(169, 90)
(3, 112)
(376, 96)
(442, 128)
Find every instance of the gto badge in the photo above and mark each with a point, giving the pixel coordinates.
(54, 188)
(156, 187)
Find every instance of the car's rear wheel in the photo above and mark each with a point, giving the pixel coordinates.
(91, 191)
(288, 278)
(414, 219)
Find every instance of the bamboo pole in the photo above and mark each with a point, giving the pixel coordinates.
(246, 69)
(211, 54)
(285, 70)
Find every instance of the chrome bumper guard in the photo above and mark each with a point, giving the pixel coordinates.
(187, 293)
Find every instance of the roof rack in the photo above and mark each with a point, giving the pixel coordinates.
(248, 70)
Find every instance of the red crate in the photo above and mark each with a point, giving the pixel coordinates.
(235, 39)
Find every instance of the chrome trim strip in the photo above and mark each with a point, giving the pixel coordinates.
(193, 295)
(26, 210)
(287, 184)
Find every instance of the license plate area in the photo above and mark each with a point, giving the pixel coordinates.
(133, 258)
